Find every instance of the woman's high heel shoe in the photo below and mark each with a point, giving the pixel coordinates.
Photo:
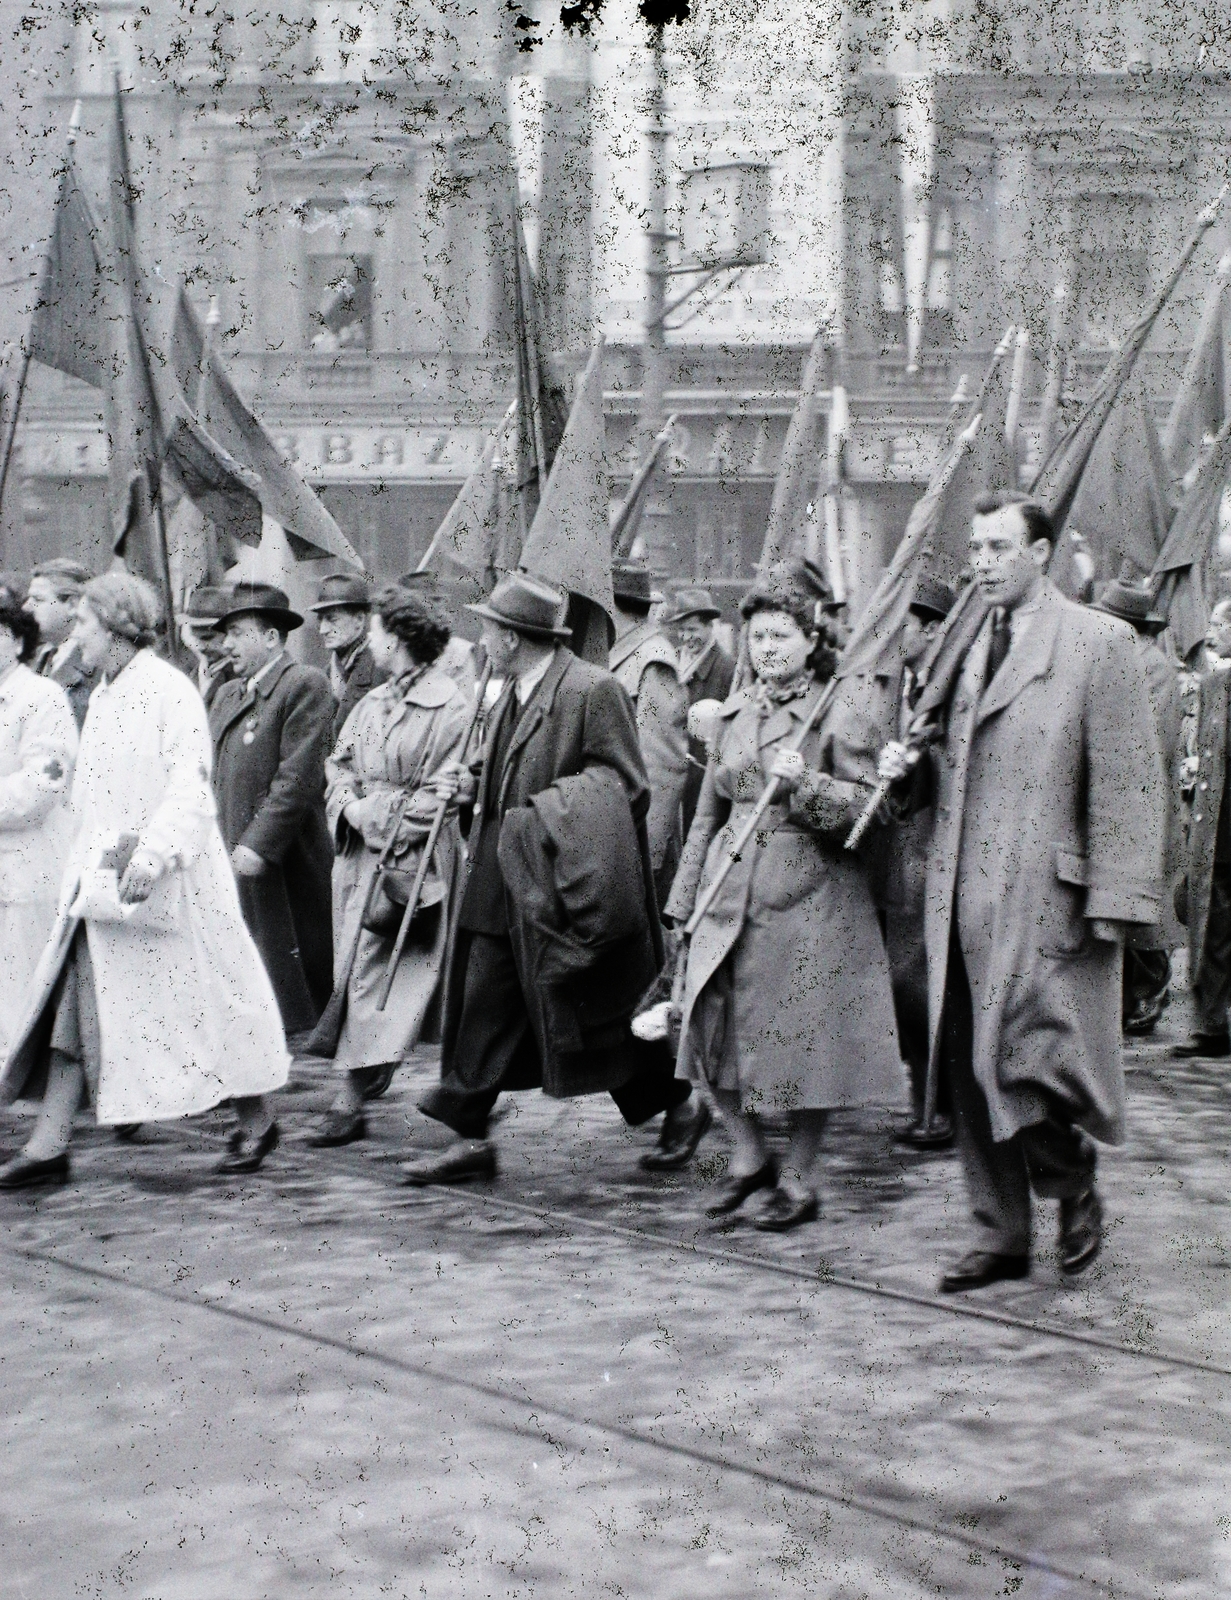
(732, 1192)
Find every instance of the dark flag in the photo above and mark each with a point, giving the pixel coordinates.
(990, 463)
(1200, 406)
(1182, 567)
(1056, 482)
(541, 407)
(627, 521)
(70, 326)
(474, 534)
(796, 479)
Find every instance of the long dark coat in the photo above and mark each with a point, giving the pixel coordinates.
(578, 718)
(710, 679)
(1214, 697)
(270, 747)
(363, 677)
(1050, 811)
(810, 1005)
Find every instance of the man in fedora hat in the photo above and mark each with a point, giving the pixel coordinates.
(55, 588)
(644, 662)
(557, 935)
(272, 728)
(1147, 950)
(342, 608)
(199, 630)
(706, 672)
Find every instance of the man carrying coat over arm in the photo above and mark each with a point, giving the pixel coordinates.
(557, 936)
(1047, 847)
(272, 727)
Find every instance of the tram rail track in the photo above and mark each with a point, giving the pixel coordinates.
(538, 1412)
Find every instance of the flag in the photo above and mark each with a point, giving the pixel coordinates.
(1120, 503)
(70, 326)
(541, 407)
(627, 520)
(874, 638)
(1055, 484)
(797, 470)
(273, 485)
(1200, 405)
(473, 534)
(1183, 562)
(569, 543)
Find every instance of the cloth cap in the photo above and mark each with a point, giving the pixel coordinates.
(694, 603)
(261, 600)
(206, 604)
(343, 589)
(527, 605)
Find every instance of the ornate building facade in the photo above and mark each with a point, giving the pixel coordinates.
(339, 175)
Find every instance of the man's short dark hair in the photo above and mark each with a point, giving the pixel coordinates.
(1038, 524)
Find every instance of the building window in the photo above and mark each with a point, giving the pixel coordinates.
(339, 302)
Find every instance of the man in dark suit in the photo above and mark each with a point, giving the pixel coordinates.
(343, 605)
(55, 588)
(1209, 853)
(509, 1024)
(272, 728)
(706, 672)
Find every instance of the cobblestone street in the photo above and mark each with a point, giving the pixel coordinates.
(317, 1382)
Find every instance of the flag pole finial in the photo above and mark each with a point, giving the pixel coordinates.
(74, 122)
(1207, 217)
(214, 316)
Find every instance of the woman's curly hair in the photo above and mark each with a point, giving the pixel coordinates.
(20, 623)
(413, 620)
(789, 587)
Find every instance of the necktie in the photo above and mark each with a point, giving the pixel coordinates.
(1001, 639)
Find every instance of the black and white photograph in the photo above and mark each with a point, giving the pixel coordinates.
(615, 799)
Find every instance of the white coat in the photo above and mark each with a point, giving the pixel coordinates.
(187, 1017)
(38, 745)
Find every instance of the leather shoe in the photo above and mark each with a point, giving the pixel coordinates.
(1213, 1046)
(379, 1081)
(937, 1135)
(22, 1172)
(784, 1211)
(126, 1132)
(460, 1163)
(1081, 1231)
(339, 1127)
(732, 1192)
(246, 1153)
(981, 1267)
(678, 1141)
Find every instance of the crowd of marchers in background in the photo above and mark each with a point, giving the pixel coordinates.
(712, 877)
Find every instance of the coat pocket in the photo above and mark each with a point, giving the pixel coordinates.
(1065, 933)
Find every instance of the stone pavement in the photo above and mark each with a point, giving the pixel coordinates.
(315, 1382)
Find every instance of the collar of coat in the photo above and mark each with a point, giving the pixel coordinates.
(781, 719)
(689, 672)
(433, 690)
(1029, 655)
(273, 676)
(536, 708)
(648, 638)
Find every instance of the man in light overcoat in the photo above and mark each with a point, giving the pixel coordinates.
(1047, 848)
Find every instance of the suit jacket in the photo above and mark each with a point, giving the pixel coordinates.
(1050, 812)
(270, 746)
(73, 678)
(710, 679)
(578, 719)
(364, 675)
(644, 662)
(1213, 702)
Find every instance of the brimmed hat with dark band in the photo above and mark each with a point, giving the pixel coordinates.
(260, 600)
(525, 604)
(630, 580)
(932, 598)
(1132, 603)
(694, 603)
(206, 605)
(343, 589)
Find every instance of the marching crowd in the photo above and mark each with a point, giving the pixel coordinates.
(636, 879)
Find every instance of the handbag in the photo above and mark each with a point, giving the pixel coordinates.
(388, 899)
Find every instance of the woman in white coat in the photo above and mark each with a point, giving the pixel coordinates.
(38, 745)
(150, 992)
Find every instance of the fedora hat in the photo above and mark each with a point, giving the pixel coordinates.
(343, 589)
(932, 598)
(260, 600)
(205, 605)
(630, 580)
(1132, 603)
(694, 603)
(525, 604)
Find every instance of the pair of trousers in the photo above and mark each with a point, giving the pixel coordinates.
(1212, 983)
(495, 1050)
(1052, 1157)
